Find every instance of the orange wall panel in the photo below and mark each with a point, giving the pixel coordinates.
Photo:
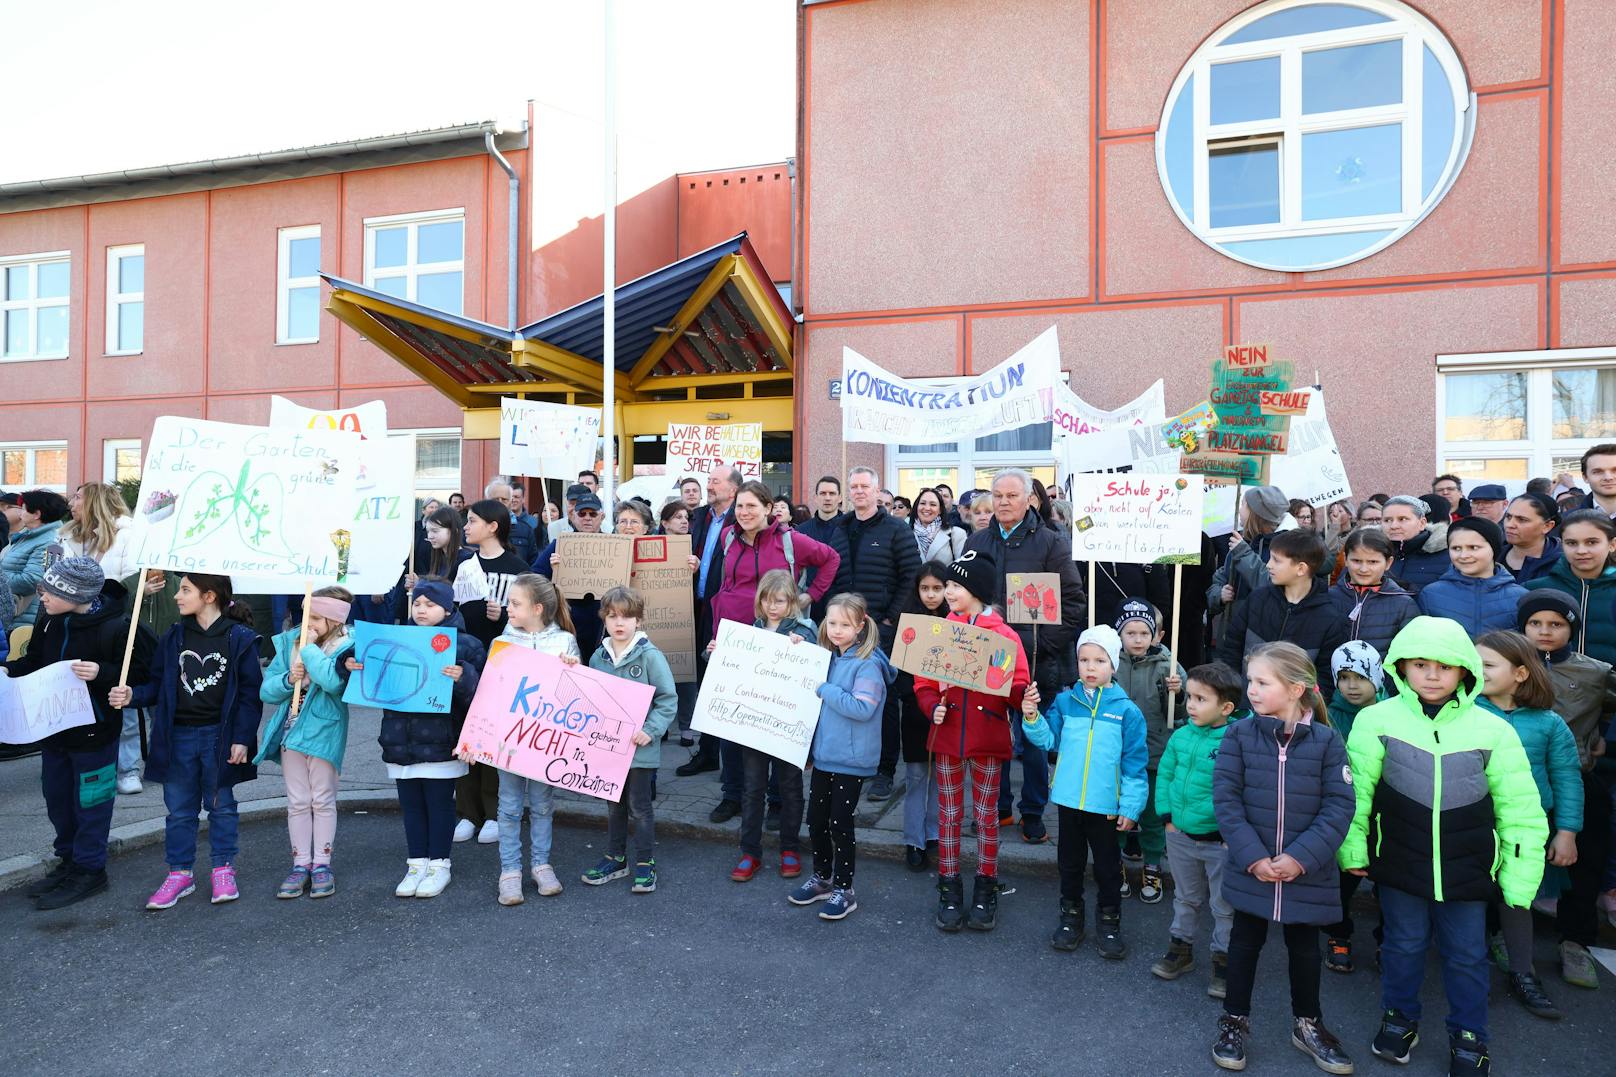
(713, 206)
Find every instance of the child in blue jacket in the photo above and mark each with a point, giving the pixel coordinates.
(1100, 788)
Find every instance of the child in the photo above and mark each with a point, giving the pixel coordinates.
(309, 744)
(1359, 682)
(1101, 790)
(539, 621)
(1375, 605)
(1293, 607)
(628, 653)
(202, 696)
(971, 730)
(1516, 687)
(1444, 793)
(1195, 849)
(418, 748)
(920, 784)
(1283, 799)
(1148, 674)
(779, 609)
(1478, 591)
(846, 750)
(80, 621)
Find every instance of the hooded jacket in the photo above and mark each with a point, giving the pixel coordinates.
(847, 739)
(321, 726)
(1584, 696)
(1445, 803)
(1184, 780)
(1343, 714)
(1034, 546)
(642, 662)
(23, 560)
(1102, 743)
(1145, 680)
(1422, 559)
(1534, 567)
(1313, 624)
(1374, 614)
(1552, 751)
(1595, 634)
(744, 563)
(976, 725)
(1481, 605)
(411, 737)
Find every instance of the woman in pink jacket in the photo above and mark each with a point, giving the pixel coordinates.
(753, 545)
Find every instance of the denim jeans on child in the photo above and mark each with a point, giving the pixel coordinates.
(1460, 932)
(516, 793)
(129, 743)
(919, 804)
(632, 815)
(79, 790)
(1197, 868)
(192, 787)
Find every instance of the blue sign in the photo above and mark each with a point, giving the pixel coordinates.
(403, 667)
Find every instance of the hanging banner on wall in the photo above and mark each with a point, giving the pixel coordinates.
(545, 440)
(1072, 415)
(697, 448)
(880, 407)
(1137, 519)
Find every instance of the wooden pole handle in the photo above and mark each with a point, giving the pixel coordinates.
(302, 639)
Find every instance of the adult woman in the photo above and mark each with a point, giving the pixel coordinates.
(1302, 512)
(1264, 510)
(1419, 549)
(780, 511)
(1529, 523)
(1338, 524)
(1370, 513)
(552, 512)
(23, 559)
(1062, 511)
(936, 540)
(633, 518)
(753, 545)
(1584, 571)
(675, 519)
(902, 507)
(1477, 591)
(1040, 502)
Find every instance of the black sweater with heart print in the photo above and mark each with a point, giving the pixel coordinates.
(204, 668)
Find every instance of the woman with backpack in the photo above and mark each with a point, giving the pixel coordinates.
(755, 544)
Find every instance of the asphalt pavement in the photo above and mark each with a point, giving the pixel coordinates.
(704, 976)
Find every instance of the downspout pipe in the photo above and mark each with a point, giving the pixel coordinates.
(513, 229)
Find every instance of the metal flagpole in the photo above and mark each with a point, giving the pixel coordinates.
(608, 364)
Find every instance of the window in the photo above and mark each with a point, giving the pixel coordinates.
(34, 465)
(33, 306)
(297, 285)
(1306, 135)
(121, 459)
(1507, 416)
(437, 463)
(126, 299)
(419, 257)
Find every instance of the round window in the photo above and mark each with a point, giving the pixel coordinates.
(1308, 135)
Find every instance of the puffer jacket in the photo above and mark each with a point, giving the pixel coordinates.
(847, 739)
(411, 737)
(1145, 680)
(1343, 714)
(1445, 803)
(1584, 696)
(743, 565)
(1422, 559)
(1595, 633)
(1273, 798)
(1534, 567)
(642, 662)
(1036, 547)
(1313, 624)
(1101, 740)
(881, 565)
(321, 726)
(1374, 614)
(1552, 751)
(242, 707)
(23, 560)
(1480, 605)
(1184, 780)
(976, 725)
(831, 533)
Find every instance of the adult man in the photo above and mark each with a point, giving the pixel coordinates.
(523, 543)
(1020, 541)
(1489, 501)
(1448, 487)
(587, 518)
(563, 525)
(591, 480)
(885, 498)
(690, 494)
(457, 501)
(519, 508)
(881, 564)
(1599, 469)
(951, 512)
(825, 526)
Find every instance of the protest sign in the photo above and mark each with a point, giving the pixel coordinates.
(546, 440)
(1141, 448)
(567, 726)
(1032, 598)
(1246, 356)
(1313, 469)
(1137, 519)
(1278, 402)
(661, 574)
(953, 652)
(1072, 415)
(761, 691)
(590, 565)
(880, 407)
(1186, 431)
(255, 501)
(697, 448)
(1232, 467)
(403, 667)
(368, 420)
(1220, 506)
(43, 703)
(1267, 442)
(1239, 378)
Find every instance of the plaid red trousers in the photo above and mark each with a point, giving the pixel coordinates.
(951, 812)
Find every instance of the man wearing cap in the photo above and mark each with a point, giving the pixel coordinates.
(1488, 501)
(563, 525)
(587, 517)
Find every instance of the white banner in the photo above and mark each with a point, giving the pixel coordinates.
(545, 440)
(1072, 415)
(1312, 468)
(880, 407)
(42, 703)
(697, 448)
(1142, 448)
(1137, 519)
(761, 691)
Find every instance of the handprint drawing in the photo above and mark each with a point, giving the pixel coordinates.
(1001, 666)
(212, 501)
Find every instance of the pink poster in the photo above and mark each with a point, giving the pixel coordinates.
(567, 726)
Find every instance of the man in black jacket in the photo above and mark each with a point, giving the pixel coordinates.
(1020, 541)
(881, 563)
(825, 525)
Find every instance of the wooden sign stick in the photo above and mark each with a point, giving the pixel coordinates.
(1092, 610)
(1172, 643)
(134, 626)
(302, 639)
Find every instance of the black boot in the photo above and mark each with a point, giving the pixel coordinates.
(1219, 985)
(950, 903)
(1108, 934)
(78, 885)
(1528, 989)
(1069, 932)
(1317, 1042)
(705, 759)
(984, 912)
(1229, 1049)
(50, 882)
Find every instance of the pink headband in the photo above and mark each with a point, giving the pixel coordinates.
(332, 609)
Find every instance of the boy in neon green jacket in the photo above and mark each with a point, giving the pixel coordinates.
(1446, 804)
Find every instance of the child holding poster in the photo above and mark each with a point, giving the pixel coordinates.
(920, 784)
(629, 653)
(309, 744)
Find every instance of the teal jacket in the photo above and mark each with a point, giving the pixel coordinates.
(1552, 751)
(1103, 754)
(321, 726)
(642, 662)
(1184, 779)
(23, 561)
(1342, 713)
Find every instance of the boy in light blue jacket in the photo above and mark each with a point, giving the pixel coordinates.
(1100, 785)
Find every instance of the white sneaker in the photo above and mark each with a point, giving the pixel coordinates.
(464, 830)
(434, 879)
(129, 784)
(510, 888)
(544, 875)
(411, 882)
(489, 834)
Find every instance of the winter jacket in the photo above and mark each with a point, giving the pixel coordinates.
(97, 635)
(552, 639)
(1145, 680)
(1184, 780)
(411, 737)
(1246, 567)
(1101, 738)
(848, 737)
(1552, 751)
(1535, 567)
(118, 561)
(881, 565)
(642, 662)
(1595, 633)
(800, 627)
(976, 725)
(1447, 803)
(830, 533)
(1036, 547)
(1273, 797)
(945, 546)
(321, 726)
(1343, 714)
(238, 722)
(1584, 696)
(744, 563)
(1422, 559)
(1374, 614)
(1480, 605)
(23, 560)
(1313, 624)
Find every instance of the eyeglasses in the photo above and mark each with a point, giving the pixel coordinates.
(587, 514)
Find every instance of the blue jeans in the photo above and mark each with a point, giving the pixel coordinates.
(919, 804)
(79, 789)
(129, 743)
(515, 793)
(1034, 776)
(1460, 928)
(193, 785)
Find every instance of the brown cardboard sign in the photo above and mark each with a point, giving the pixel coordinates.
(1032, 598)
(590, 565)
(661, 575)
(1284, 402)
(956, 653)
(1246, 356)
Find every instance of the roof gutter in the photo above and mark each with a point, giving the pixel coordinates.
(513, 230)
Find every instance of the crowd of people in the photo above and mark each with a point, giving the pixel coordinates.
(1415, 690)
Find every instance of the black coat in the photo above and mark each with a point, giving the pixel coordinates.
(1035, 547)
(1313, 624)
(408, 737)
(1422, 559)
(832, 534)
(881, 563)
(1381, 612)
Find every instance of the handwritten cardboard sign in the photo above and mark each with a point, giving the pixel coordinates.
(567, 726)
(1233, 467)
(1282, 402)
(661, 575)
(1236, 396)
(42, 704)
(697, 448)
(1032, 598)
(403, 667)
(1246, 356)
(760, 691)
(1137, 519)
(1266, 442)
(1220, 505)
(548, 440)
(591, 565)
(953, 652)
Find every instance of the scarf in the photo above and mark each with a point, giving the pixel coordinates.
(926, 533)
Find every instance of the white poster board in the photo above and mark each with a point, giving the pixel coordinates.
(545, 440)
(1143, 448)
(1073, 416)
(42, 703)
(1311, 468)
(1137, 519)
(760, 691)
(698, 448)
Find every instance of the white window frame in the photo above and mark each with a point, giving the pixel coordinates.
(116, 300)
(412, 269)
(110, 447)
(1415, 31)
(284, 283)
(34, 304)
(32, 448)
(414, 434)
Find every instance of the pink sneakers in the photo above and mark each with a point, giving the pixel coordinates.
(224, 885)
(178, 884)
